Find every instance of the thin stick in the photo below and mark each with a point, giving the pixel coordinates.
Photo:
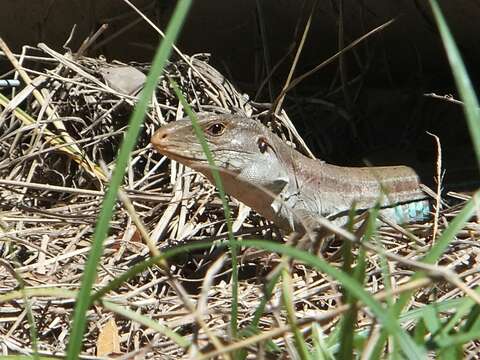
(438, 180)
(299, 79)
(281, 97)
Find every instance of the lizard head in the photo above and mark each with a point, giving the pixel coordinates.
(243, 149)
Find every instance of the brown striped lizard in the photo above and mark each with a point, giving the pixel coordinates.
(251, 158)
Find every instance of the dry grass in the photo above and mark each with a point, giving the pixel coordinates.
(49, 200)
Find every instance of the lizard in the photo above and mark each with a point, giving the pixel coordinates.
(251, 158)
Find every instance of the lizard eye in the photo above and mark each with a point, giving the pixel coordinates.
(262, 145)
(216, 129)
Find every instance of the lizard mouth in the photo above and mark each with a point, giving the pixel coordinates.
(178, 156)
(196, 163)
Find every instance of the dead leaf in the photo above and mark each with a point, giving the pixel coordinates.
(108, 341)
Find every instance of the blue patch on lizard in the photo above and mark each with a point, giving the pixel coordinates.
(412, 212)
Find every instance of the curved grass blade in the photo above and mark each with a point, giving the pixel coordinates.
(102, 226)
(287, 290)
(408, 346)
(146, 321)
(226, 209)
(460, 75)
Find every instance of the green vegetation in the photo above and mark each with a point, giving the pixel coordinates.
(441, 328)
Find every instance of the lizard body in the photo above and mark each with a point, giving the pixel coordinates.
(251, 158)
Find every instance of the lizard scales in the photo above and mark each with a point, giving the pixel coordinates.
(251, 158)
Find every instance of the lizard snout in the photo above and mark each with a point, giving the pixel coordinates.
(160, 137)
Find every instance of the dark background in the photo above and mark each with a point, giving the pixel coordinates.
(376, 111)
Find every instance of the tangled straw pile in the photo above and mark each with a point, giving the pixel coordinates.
(58, 140)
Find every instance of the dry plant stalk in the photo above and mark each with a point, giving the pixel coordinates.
(50, 201)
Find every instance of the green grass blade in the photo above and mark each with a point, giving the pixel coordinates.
(148, 322)
(434, 254)
(102, 226)
(287, 290)
(252, 328)
(347, 331)
(470, 329)
(28, 309)
(458, 316)
(32, 326)
(452, 352)
(420, 332)
(431, 320)
(462, 80)
(348, 320)
(391, 324)
(333, 337)
(410, 349)
(473, 319)
(460, 339)
(226, 208)
(471, 110)
(144, 265)
(442, 244)
(416, 314)
(321, 350)
(467, 95)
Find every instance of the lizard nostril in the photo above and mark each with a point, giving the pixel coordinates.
(159, 137)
